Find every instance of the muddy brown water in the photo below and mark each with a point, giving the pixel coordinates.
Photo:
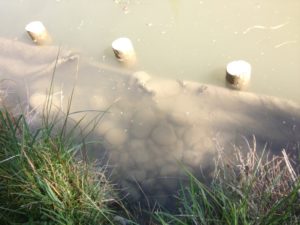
(164, 112)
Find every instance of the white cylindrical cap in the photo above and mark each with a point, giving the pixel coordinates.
(238, 73)
(123, 49)
(38, 32)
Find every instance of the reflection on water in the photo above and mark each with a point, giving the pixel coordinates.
(192, 39)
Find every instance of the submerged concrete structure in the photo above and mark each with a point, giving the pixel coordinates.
(148, 128)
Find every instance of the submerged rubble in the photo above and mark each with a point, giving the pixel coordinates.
(149, 128)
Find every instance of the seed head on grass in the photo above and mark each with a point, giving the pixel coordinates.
(264, 181)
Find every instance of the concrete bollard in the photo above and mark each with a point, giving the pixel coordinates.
(124, 51)
(238, 74)
(38, 33)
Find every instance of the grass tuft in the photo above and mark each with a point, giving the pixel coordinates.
(251, 189)
(41, 183)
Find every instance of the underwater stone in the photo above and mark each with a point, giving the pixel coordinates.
(121, 220)
(38, 100)
(137, 175)
(170, 183)
(163, 88)
(116, 136)
(149, 182)
(162, 197)
(192, 86)
(138, 151)
(163, 134)
(133, 192)
(184, 111)
(124, 156)
(177, 150)
(153, 147)
(143, 123)
(180, 132)
(178, 118)
(114, 156)
(140, 78)
(136, 144)
(169, 170)
(99, 102)
(192, 158)
(126, 161)
(193, 136)
(105, 126)
(208, 143)
(170, 153)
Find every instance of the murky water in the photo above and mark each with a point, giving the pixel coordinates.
(152, 125)
(192, 39)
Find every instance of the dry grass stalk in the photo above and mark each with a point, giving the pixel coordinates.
(259, 176)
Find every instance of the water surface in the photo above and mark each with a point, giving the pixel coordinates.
(145, 133)
(175, 38)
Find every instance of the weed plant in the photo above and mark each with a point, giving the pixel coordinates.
(252, 189)
(40, 182)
